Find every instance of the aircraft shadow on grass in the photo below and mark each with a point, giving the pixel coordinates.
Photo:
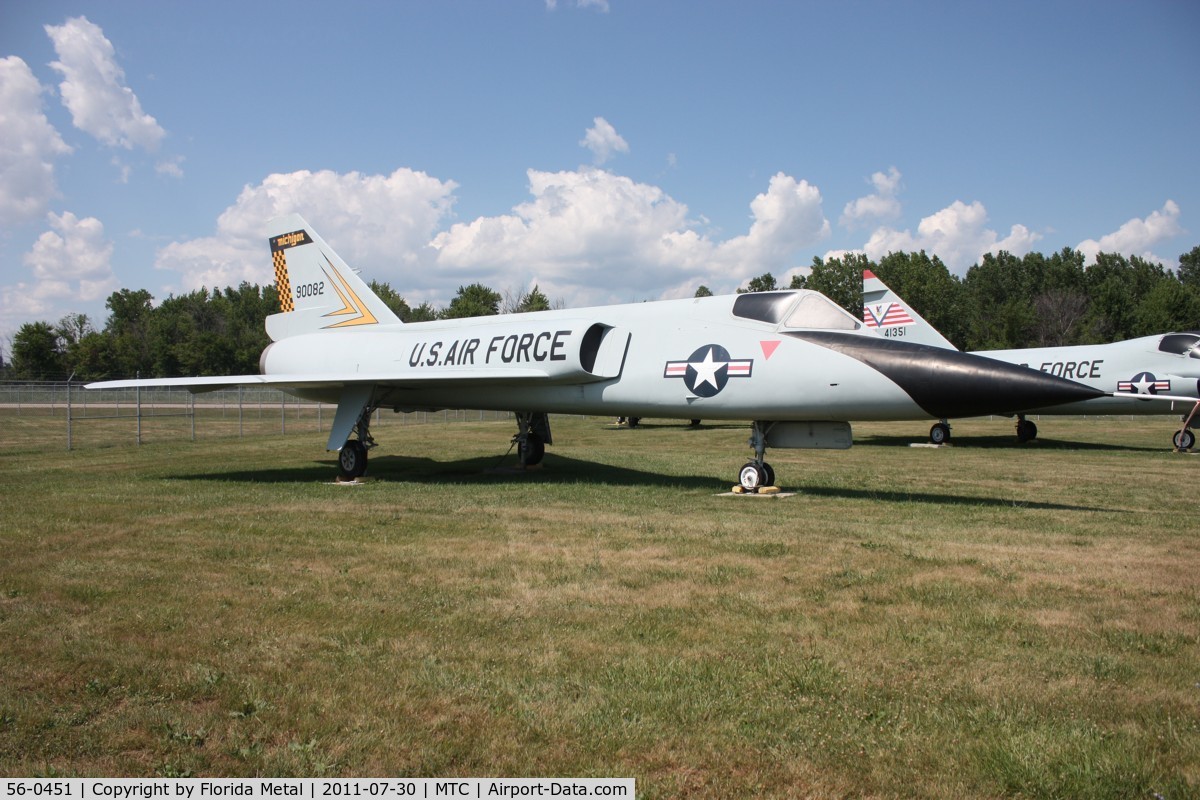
(557, 469)
(1009, 442)
(878, 496)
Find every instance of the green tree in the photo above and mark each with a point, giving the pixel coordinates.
(392, 299)
(423, 313)
(246, 309)
(840, 279)
(1000, 290)
(534, 300)
(128, 328)
(703, 291)
(1189, 268)
(1116, 286)
(763, 283)
(475, 300)
(92, 357)
(1060, 306)
(1169, 306)
(84, 351)
(36, 354)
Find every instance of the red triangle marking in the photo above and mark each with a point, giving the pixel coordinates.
(769, 348)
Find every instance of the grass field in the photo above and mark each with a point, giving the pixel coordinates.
(982, 620)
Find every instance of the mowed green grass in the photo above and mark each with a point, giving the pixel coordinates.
(983, 620)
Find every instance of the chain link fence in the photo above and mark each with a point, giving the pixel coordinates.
(132, 416)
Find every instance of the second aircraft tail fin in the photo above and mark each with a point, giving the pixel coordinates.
(888, 315)
(317, 290)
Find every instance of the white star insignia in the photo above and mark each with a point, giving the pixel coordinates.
(706, 370)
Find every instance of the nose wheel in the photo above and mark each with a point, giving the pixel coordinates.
(757, 473)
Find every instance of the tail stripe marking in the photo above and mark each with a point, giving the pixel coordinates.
(351, 303)
(283, 286)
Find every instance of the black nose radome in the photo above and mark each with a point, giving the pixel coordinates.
(947, 383)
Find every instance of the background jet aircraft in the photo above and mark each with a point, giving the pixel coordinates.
(792, 362)
(1151, 367)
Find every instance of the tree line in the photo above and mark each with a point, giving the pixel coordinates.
(1002, 302)
(1006, 302)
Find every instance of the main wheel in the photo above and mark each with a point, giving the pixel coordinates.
(532, 450)
(352, 460)
(939, 433)
(633, 421)
(1026, 431)
(755, 476)
(1184, 439)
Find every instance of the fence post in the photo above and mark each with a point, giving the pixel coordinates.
(69, 412)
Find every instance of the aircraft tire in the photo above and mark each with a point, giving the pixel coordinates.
(1026, 431)
(532, 450)
(352, 460)
(755, 476)
(632, 422)
(939, 433)
(1184, 439)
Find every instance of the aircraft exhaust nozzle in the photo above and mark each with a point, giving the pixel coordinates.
(948, 383)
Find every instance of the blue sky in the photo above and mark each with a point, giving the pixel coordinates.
(608, 151)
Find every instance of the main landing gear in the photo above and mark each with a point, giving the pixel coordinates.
(940, 432)
(1026, 430)
(757, 474)
(1184, 439)
(352, 458)
(533, 434)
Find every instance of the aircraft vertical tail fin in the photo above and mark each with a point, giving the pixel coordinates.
(317, 290)
(888, 315)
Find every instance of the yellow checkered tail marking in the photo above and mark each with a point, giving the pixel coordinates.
(283, 286)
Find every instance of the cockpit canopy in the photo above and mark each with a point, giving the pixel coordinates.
(1181, 344)
(794, 309)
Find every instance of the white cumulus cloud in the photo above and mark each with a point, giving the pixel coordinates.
(603, 140)
(93, 88)
(879, 205)
(29, 145)
(72, 262)
(381, 222)
(591, 236)
(958, 235)
(1136, 236)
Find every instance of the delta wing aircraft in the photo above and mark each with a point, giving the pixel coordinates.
(1151, 375)
(800, 368)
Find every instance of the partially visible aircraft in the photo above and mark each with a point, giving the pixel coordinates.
(792, 362)
(1151, 375)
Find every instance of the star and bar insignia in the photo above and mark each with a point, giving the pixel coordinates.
(1144, 383)
(707, 370)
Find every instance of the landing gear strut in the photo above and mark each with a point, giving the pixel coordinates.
(1184, 439)
(757, 473)
(352, 458)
